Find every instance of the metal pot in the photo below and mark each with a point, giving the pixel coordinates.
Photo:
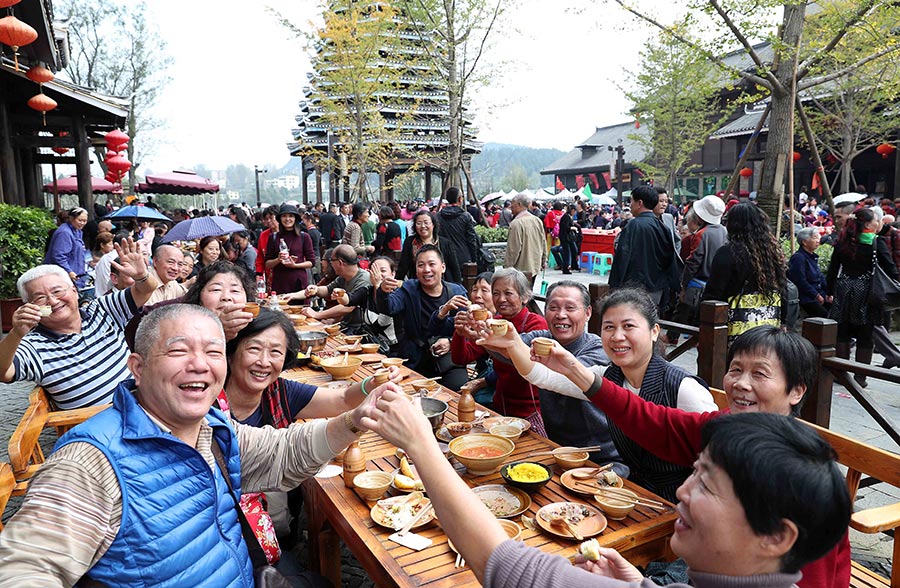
(434, 409)
(311, 341)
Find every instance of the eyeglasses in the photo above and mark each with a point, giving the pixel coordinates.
(55, 293)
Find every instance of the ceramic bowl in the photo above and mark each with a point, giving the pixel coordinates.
(391, 361)
(521, 484)
(462, 447)
(568, 461)
(333, 329)
(370, 347)
(371, 486)
(341, 368)
(425, 385)
(510, 432)
(616, 509)
(352, 339)
(459, 429)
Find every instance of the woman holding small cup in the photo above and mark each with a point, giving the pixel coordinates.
(256, 395)
(510, 292)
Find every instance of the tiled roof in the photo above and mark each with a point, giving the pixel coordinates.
(743, 125)
(593, 152)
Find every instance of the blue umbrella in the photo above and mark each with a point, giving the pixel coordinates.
(139, 212)
(204, 226)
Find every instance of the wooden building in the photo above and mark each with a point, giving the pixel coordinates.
(80, 119)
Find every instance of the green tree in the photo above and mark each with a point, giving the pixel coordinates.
(716, 24)
(675, 93)
(463, 29)
(517, 178)
(363, 65)
(849, 114)
(115, 50)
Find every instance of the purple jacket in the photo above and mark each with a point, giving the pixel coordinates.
(67, 251)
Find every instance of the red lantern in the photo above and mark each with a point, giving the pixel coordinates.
(42, 104)
(118, 164)
(746, 172)
(8, 3)
(119, 148)
(115, 138)
(39, 74)
(830, 159)
(111, 177)
(885, 149)
(796, 156)
(15, 33)
(61, 150)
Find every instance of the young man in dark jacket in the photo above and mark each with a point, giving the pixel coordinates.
(457, 233)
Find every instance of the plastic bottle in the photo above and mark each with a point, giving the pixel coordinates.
(282, 247)
(260, 287)
(273, 302)
(354, 463)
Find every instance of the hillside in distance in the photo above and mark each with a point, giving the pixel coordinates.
(511, 167)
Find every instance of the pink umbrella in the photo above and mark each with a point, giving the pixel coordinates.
(70, 186)
(177, 182)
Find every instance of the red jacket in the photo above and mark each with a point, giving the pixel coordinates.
(514, 396)
(261, 245)
(674, 435)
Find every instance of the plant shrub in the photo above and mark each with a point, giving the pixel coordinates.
(492, 235)
(23, 233)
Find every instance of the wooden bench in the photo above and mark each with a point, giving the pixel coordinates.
(25, 454)
(7, 484)
(862, 459)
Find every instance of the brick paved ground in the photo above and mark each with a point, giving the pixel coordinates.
(847, 417)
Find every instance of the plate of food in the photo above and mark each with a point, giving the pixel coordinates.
(489, 423)
(586, 520)
(396, 511)
(406, 479)
(443, 434)
(503, 501)
(579, 485)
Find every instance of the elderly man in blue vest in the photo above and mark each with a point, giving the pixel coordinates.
(136, 496)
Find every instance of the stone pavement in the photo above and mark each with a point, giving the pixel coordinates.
(847, 418)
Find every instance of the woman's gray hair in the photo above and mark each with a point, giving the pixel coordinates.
(522, 200)
(806, 233)
(878, 212)
(148, 331)
(518, 279)
(39, 272)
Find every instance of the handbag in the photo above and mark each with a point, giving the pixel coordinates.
(264, 575)
(884, 291)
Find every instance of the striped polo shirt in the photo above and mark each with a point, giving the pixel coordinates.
(80, 369)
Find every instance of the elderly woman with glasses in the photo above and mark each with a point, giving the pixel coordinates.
(804, 272)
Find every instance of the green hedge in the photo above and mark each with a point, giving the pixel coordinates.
(489, 235)
(23, 233)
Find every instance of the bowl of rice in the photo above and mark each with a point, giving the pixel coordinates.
(526, 475)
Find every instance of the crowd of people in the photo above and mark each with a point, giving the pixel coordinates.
(202, 417)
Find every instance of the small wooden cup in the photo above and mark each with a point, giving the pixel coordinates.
(252, 308)
(499, 326)
(542, 345)
(381, 376)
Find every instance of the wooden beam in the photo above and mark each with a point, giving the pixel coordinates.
(83, 167)
(8, 177)
(57, 159)
(32, 141)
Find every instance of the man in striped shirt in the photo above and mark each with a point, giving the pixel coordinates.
(77, 355)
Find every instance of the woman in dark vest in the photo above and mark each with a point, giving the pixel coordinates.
(629, 328)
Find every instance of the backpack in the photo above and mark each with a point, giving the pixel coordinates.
(484, 257)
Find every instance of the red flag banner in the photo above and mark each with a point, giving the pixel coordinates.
(579, 181)
(559, 184)
(594, 181)
(607, 180)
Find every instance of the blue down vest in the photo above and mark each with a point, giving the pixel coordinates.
(179, 523)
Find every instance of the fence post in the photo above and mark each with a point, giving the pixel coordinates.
(712, 348)
(598, 292)
(469, 273)
(822, 333)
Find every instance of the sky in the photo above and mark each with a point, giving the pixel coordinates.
(237, 77)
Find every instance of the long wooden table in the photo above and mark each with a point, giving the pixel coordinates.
(336, 513)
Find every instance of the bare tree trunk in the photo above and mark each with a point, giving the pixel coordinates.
(780, 145)
(454, 152)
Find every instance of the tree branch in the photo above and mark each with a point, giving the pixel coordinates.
(847, 70)
(747, 47)
(752, 78)
(483, 42)
(823, 53)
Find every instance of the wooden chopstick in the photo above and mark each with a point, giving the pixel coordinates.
(412, 522)
(624, 498)
(613, 490)
(561, 451)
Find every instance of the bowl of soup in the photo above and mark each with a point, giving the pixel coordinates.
(481, 454)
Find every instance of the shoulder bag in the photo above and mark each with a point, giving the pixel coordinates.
(884, 291)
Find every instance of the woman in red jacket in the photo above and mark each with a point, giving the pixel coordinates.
(510, 291)
(769, 370)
